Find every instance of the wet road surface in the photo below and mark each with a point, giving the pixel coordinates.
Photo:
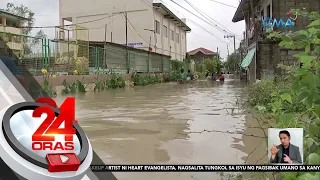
(197, 123)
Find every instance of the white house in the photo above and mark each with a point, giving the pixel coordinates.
(10, 31)
(138, 23)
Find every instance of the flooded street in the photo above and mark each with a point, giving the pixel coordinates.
(198, 123)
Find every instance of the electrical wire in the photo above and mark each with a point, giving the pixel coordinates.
(197, 24)
(210, 19)
(105, 24)
(211, 24)
(223, 4)
(208, 31)
(135, 29)
(177, 11)
(72, 24)
(130, 28)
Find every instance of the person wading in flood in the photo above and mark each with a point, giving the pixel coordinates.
(183, 76)
(190, 75)
(213, 77)
(221, 78)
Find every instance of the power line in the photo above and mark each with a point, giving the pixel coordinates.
(105, 24)
(135, 30)
(130, 27)
(206, 38)
(203, 14)
(192, 32)
(71, 24)
(211, 24)
(208, 31)
(208, 17)
(198, 26)
(223, 3)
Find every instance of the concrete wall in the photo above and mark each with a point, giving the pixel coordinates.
(266, 62)
(111, 26)
(166, 40)
(270, 55)
(281, 7)
(165, 45)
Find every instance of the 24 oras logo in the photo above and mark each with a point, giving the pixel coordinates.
(44, 138)
(43, 141)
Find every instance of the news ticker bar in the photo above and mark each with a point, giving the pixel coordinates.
(203, 168)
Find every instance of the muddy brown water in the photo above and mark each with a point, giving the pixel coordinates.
(197, 123)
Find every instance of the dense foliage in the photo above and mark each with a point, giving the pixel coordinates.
(295, 102)
(209, 64)
(233, 61)
(24, 11)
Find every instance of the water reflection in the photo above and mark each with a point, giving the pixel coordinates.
(166, 123)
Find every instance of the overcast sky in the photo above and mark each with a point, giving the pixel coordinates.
(47, 14)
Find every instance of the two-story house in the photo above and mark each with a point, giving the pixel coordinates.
(10, 32)
(139, 24)
(263, 56)
(200, 54)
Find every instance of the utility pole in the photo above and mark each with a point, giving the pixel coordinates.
(126, 17)
(234, 41)
(234, 47)
(218, 53)
(105, 33)
(105, 43)
(127, 54)
(228, 50)
(155, 38)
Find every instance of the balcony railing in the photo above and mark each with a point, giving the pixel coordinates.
(11, 45)
(9, 29)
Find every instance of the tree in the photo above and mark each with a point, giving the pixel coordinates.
(212, 64)
(24, 11)
(233, 61)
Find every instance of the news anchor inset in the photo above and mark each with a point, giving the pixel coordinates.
(286, 152)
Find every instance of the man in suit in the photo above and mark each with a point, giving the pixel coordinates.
(285, 152)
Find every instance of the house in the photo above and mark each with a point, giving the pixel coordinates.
(139, 24)
(9, 25)
(263, 56)
(200, 54)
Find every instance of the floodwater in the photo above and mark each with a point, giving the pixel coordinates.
(197, 123)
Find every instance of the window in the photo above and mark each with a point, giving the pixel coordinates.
(172, 35)
(262, 14)
(165, 31)
(268, 11)
(157, 26)
(178, 38)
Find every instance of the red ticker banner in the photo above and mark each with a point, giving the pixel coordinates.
(204, 168)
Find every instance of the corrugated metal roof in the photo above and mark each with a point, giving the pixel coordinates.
(202, 50)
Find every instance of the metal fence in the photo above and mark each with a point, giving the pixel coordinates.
(61, 56)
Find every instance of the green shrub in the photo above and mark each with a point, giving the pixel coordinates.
(145, 80)
(116, 81)
(174, 76)
(296, 103)
(260, 93)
